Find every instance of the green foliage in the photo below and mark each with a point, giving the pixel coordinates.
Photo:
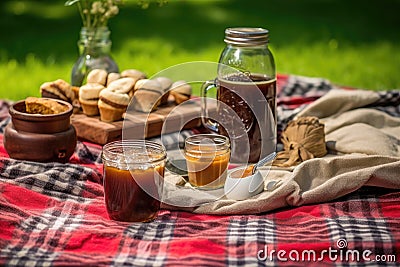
(352, 42)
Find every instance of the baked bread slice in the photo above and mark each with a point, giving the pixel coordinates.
(44, 106)
(58, 89)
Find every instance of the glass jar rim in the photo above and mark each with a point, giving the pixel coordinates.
(112, 151)
(216, 141)
(246, 36)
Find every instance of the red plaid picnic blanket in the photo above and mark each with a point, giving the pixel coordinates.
(53, 214)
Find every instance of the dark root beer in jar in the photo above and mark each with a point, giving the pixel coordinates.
(246, 94)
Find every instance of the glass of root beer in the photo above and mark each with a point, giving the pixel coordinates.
(207, 158)
(133, 179)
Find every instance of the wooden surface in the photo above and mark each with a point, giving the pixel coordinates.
(136, 125)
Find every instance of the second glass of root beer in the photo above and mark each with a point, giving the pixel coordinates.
(133, 179)
(207, 158)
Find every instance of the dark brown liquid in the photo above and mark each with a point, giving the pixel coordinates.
(126, 200)
(229, 90)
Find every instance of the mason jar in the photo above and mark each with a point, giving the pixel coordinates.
(94, 53)
(246, 95)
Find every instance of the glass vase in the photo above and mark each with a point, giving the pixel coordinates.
(94, 53)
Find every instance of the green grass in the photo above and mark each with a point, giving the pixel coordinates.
(350, 42)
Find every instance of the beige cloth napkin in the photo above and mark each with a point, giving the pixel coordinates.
(350, 129)
(364, 149)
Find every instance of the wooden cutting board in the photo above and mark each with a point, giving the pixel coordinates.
(136, 125)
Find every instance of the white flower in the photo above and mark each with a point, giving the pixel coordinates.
(96, 13)
(95, 7)
(112, 12)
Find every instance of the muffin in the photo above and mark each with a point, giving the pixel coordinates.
(165, 86)
(112, 105)
(89, 97)
(147, 95)
(181, 91)
(97, 76)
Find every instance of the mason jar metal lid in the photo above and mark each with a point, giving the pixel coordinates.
(246, 36)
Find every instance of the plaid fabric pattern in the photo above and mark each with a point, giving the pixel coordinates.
(389, 102)
(54, 214)
(296, 94)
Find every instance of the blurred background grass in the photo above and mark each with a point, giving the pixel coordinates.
(350, 42)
